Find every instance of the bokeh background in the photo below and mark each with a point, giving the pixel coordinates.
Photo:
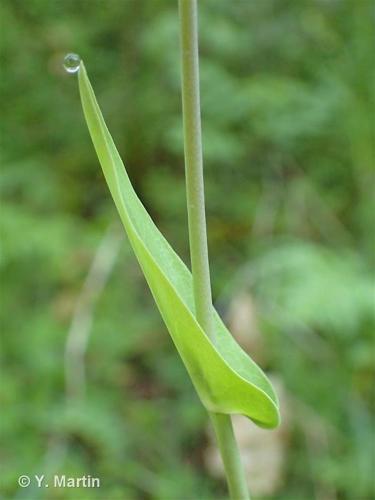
(90, 380)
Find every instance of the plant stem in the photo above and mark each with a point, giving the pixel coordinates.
(230, 455)
(194, 165)
(197, 227)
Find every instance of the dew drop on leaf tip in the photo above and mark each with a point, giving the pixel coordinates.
(72, 62)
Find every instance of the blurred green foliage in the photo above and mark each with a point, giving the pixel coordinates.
(288, 128)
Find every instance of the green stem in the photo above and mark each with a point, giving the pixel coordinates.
(194, 165)
(230, 455)
(197, 227)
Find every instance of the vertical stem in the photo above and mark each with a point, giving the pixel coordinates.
(230, 455)
(194, 165)
(197, 227)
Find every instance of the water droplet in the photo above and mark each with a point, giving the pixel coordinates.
(72, 63)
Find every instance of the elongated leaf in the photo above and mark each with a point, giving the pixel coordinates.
(225, 377)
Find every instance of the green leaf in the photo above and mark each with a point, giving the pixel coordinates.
(225, 377)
